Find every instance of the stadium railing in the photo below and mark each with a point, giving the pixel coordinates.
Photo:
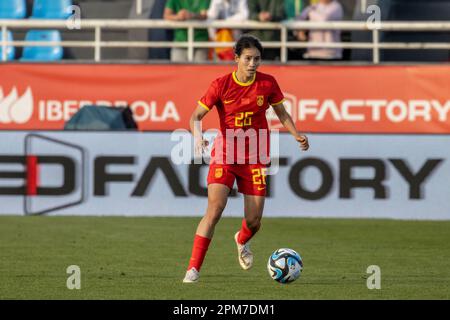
(99, 25)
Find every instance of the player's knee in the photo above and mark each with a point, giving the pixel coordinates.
(254, 224)
(213, 218)
(218, 207)
(215, 209)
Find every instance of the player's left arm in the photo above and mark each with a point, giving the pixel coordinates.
(288, 123)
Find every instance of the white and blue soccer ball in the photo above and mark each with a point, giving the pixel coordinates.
(285, 265)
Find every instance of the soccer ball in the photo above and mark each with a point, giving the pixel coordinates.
(285, 265)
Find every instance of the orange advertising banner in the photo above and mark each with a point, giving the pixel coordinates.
(328, 99)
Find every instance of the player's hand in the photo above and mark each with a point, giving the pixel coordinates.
(304, 144)
(200, 146)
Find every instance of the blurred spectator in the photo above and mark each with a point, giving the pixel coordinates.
(180, 10)
(293, 8)
(267, 11)
(228, 10)
(29, 4)
(151, 9)
(324, 10)
(157, 13)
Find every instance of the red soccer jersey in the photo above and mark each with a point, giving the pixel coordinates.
(242, 113)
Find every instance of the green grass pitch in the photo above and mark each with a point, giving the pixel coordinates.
(145, 258)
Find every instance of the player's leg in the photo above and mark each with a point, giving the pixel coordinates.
(220, 182)
(217, 200)
(253, 206)
(252, 183)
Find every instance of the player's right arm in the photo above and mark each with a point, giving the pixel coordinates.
(195, 124)
(205, 104)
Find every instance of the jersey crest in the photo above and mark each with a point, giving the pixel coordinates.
(260, 101)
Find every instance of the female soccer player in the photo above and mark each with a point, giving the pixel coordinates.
(241, 99)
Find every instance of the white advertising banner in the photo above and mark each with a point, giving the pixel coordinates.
(142, 174)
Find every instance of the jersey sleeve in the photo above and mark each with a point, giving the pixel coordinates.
(211, 96)
(276, 96)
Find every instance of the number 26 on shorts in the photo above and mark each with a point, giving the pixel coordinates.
(259, 176)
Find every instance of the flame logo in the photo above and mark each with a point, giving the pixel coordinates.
(16, 109)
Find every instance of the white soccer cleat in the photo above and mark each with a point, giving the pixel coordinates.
(192, 275)
(245, 256)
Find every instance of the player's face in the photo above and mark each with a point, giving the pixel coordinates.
(248, 61)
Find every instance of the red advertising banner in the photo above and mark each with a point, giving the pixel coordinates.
(329, 99)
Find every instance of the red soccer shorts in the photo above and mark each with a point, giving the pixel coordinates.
(250, 178)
